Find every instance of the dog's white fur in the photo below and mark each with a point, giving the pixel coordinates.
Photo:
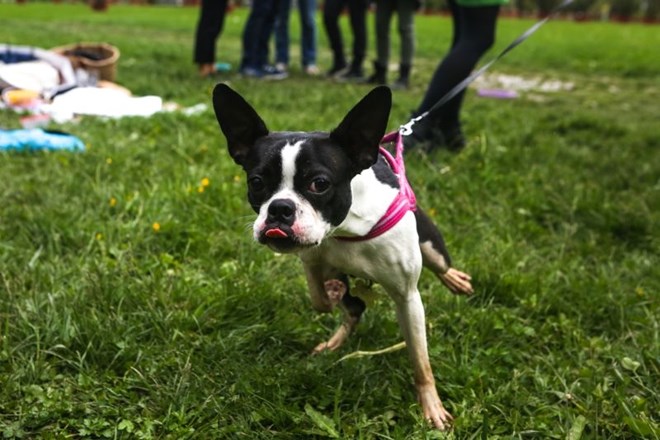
(394, 260)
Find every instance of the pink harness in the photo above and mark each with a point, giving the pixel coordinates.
(403, 202)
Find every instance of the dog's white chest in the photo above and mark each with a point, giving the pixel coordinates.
(371, 200)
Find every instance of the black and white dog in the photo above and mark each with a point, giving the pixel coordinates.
(320, 195)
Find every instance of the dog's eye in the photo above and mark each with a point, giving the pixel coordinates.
(319, 185)
(256, 184)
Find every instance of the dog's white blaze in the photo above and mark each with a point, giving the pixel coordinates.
(289, 154)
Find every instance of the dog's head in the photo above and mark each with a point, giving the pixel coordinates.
(299, 182)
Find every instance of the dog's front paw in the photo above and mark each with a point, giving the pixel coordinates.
(336, 341)
(433, 409)
(458, 282)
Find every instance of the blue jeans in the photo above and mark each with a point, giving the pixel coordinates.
(256, 33)
(307, 12)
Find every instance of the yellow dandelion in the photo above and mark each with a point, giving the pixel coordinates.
(99, 236)
(206, 182)
(200, 189)
(108, 161)
(156, 226)
(237, 178)
(112, 202)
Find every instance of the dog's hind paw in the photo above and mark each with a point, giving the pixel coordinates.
(335, 289)
(458, 282)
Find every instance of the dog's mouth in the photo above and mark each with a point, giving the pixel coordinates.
(280, 238)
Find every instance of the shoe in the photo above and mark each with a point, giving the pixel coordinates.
(282, 66)
(404, 77)
(354, 76)
(273, 73)
(379, 76)
(222, 67)
(251, 72)
(312, 70)
(453, 137)
(400, 84)
(336, 70)
(430, 138)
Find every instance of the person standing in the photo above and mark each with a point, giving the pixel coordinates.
(209, 27)
(357, 10)
(474, 24)
(307, 12)
(385, 9)
(256, 35)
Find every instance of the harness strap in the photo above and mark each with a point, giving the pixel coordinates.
(403, 202)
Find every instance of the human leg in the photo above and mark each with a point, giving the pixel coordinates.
(270, 9)
(282, 33)
(474, 35)
(382, 19)
(209, 28)
(307, 10)
(406, 27)
(357, 10)
(477, 35)
(331, 11)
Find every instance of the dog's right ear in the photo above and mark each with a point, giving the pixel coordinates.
(239, 122)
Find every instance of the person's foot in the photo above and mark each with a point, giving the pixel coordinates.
(400, 84)
(336, 69)
(282, 66)
(352, 75)
(453, 138)
(429, 138)
(251, 72)
(312, 70)
(209, 69)
(273, 73)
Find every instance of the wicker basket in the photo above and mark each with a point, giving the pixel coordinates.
(99, 59)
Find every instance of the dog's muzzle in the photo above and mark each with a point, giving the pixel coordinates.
(277, 231)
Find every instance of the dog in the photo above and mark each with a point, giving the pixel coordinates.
(320, 195)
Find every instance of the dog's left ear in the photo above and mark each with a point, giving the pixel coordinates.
(239, 122)
(360, 132)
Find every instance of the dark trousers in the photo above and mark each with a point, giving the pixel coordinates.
(474, 34)
(209, 27)
(357, 10)
(256, 33)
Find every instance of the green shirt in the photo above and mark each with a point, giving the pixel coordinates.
(472, 3)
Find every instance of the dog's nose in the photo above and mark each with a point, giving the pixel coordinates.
(282, 210)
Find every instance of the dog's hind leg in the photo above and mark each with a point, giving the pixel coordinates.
(436, 258)
(351, 306)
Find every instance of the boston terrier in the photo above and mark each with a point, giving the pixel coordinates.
(324, 196)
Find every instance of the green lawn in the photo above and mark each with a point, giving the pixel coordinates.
(113, 328)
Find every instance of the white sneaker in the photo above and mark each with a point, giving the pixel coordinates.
(312, 70)
(281, 66)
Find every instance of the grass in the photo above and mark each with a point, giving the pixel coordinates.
(113, 327)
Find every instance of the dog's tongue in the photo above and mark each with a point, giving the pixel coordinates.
(276, 233)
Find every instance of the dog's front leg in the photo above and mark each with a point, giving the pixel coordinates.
(326, 291)
(321, 301)
(410, 313)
